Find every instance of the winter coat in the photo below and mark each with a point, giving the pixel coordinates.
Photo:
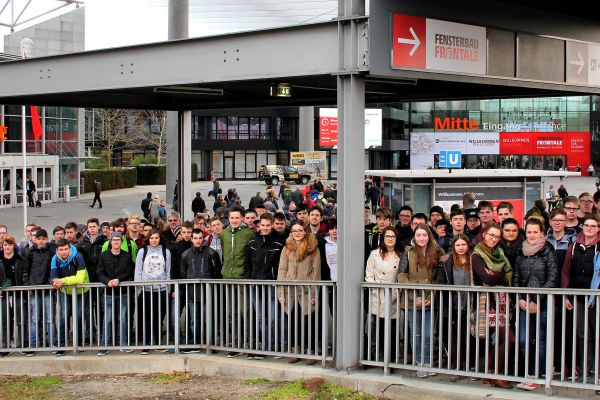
(154, 211)
(200, 263)
(561, 246)
(411, 272)
(127, 245)
(111, 267)
(578, 268)
(306, 269)
(326, 245)
(198, 205)
(537, 271)
(71, 271)
(92, 252)
(382, 271)
(445, 276)
(19, 268)
(297, 197)
(262, 257)
(176, 253)
(145, 206)
(255, 201)
(37, 266)
(234, 244)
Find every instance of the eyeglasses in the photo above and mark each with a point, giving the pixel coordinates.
(297, 231)
(491, 235)
(558, 220)
(587, 201)
(172, 220)
(571, 208)
(390, 236)
(590, 226)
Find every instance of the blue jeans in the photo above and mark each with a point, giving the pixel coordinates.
(174, 313)
(196, 321)
(524, 339)
(66, 312)
(266, 320)
(116, 305)
(42, 310)
(415, 322)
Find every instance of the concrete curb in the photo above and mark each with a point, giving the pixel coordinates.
(390, 387)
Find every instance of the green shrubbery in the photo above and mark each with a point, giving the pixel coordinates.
(117, 178)
(151, 174)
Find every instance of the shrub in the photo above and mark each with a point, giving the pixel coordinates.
(117, 178)
(143, 160)
(151, 174)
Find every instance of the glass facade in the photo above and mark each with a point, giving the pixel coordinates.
(244, 127)
(244, 164)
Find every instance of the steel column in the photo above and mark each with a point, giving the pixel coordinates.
(351, 110)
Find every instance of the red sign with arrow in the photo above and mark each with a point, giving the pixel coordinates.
(408, 48)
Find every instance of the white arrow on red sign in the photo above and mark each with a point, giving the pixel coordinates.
(415, 41)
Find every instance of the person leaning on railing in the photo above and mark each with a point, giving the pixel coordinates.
(581, 270)
(383, 266)
(536, 267)
(456, 270)
(491, 268)
(153, 263)
(300, 261)
(419, 265)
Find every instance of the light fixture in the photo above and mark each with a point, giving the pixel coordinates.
(281, 90)
(189, 90)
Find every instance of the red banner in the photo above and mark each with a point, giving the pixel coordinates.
(574, 145)
(328, 131)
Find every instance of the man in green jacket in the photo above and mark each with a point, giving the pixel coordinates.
(234, 240)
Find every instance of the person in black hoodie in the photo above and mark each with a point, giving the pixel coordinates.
(177, 249)
(261, 261)
(114, 266)
(198, 262)
(536, 267)
(42, 305)
(12, 264)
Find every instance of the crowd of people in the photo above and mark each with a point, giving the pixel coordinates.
(292, 235)
(483, 245)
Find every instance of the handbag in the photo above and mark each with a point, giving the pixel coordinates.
(479, 321)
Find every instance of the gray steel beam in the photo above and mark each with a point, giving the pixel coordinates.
(287, 52)
(351, 154)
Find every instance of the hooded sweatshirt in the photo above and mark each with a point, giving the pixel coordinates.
(153, 267)
(578, 268)
(71, 270)
(561, 246)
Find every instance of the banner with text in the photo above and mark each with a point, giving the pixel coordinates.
(328, 127)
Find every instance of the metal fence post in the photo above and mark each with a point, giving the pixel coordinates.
(75, 325)
(324, 332)
(549, 344)
(386, 332)
(177, 317)
(208, 311)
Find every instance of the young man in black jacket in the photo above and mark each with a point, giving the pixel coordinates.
(177, 251)
(42, 304)
(198, 262)
(114, 266)
(262, 262)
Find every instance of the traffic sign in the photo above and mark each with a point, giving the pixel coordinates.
(443, 159)
(426, 43)
(449, 159)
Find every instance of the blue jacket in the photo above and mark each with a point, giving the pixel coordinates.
(71, 271)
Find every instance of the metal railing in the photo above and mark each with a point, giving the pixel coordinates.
(275, 318)
(456, 330)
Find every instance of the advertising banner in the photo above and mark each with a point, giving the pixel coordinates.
(328, 127)
(575, 145)
(312, 162)
(446, 196)
(424, 145)
(426, 43)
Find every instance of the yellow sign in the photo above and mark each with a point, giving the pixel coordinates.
(3, 132)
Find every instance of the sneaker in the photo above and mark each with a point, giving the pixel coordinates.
(255, 357)
(528, 385)
(189, 351)
(233, 354)
(126, 351)
(29, 353)
(145, 351)
(102, 353)
(60, 353)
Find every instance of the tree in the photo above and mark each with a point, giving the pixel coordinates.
(111, 124)
(150, 130)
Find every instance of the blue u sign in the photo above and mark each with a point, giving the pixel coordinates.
(453, 159)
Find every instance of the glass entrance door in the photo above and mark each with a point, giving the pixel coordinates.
(5, 195)
(44, 184)
(228, 168)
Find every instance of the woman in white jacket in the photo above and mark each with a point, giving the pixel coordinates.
(382, 267)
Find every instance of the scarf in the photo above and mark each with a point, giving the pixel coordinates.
(530, 249)
(495, 260)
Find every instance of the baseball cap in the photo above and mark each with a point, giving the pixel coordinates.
(472, 213)
(41, 233)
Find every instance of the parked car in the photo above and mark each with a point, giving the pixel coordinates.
(273, 174)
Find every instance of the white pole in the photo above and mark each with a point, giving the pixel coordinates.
(26, 50)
